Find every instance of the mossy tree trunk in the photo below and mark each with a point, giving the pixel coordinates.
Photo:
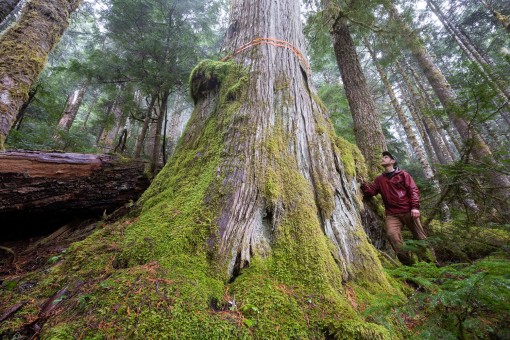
(25, 47)
(252, 229)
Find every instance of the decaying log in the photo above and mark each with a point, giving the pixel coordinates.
(64, 183)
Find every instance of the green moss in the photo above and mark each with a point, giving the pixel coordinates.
(325, 195)
(352, 329)
(351, 157)
(156, 275)
(2, 142)
(210, 75)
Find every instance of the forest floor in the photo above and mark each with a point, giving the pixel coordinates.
(24, 255)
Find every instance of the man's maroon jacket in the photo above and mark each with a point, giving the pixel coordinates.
(399, 192)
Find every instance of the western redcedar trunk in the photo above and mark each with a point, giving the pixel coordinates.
(252, 229)
(73, 104)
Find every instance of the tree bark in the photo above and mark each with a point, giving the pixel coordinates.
(109, 135)
(143, 132)
(174, 130)
(367, 127)
(257, 212)
(6, 7)
(73, 104)
(504, 20)
(66, 183)
(156, 150)
(25, 47)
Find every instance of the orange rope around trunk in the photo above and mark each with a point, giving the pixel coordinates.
(273, 42)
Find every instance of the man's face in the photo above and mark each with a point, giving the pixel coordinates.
(386, 160)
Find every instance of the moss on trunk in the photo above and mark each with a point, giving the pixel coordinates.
(25, 47)
(157, 273)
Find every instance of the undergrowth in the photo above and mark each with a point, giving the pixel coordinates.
(458, 301)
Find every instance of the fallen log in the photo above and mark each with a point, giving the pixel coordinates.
(41, 184)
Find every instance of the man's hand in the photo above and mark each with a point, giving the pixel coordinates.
(360, 179)
(415, 213)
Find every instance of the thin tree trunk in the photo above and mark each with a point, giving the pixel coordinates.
(422, 130)
(444, 130)
(174, 131)
(145, 127)
(411, 137)
(25, 47)
(109, 135)
(92, 106)
(504, 20)
(440, 149)
(156, 151)
(479, 149)
(73, 104)
(472, 53)
(367, 127)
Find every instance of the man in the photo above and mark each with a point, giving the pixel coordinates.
(401, 199)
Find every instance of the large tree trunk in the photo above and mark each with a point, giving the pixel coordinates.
(255, 217)
(367, 127)
(39, 186)
(176, 122)
(25, 47)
